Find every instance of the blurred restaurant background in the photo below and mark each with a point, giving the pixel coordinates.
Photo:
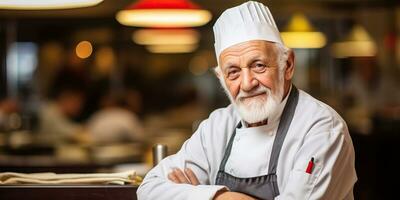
(93, 88)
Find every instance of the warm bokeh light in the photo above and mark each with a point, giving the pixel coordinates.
(84, 49)
(172, 48)
(304, 40)
(354, 49)
(104, 60)
(46, 4)
(166, 36)
(167, 40)
(164, 17)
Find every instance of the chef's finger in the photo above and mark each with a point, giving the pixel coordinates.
(192, 177)
(172, 177)
(181, 176)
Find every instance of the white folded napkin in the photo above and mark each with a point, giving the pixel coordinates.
(121, 178)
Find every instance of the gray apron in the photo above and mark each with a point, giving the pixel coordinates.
(262, 187)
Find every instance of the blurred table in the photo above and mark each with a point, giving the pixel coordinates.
(68, 158)
(68, 192)
(33, 164)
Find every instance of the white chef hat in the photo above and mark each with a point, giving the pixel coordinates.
(248, 21)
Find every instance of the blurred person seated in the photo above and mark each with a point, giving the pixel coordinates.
(57, 125)
(115, 122)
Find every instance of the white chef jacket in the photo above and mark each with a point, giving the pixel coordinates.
(316, 131)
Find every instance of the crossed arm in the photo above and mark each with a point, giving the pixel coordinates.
(187, 176)
(333, 174)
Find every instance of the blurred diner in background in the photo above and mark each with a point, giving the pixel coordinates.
(89, 88)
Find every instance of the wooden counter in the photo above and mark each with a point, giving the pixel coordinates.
(68, 192)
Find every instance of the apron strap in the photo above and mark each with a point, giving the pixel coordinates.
(283, 127)
(229, 148)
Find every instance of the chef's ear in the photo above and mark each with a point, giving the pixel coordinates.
(289, 70)
(217, 71)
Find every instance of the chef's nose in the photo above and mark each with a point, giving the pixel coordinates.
(249, 82)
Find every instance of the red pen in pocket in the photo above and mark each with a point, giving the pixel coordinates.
(310, 166)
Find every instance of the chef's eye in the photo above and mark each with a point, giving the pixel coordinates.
(233, 73)
(259, 67)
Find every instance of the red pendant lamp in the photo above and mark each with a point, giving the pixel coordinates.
(163, 14)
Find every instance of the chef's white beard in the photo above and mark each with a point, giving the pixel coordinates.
(257, 109)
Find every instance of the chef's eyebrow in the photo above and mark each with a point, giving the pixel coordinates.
(258, 58)
(228, 66)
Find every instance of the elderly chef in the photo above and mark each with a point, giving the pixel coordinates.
(273, 142)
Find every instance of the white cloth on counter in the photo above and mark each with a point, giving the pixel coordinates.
(121, 178)
(316, 131)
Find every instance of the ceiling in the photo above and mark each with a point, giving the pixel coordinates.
(71, 25)
(108, 8)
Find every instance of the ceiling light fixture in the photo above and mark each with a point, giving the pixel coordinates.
(358, 43)
(168, 49)
(300, 34)
(163, 13)
(166, 36)
(167, 40)
(46, 4)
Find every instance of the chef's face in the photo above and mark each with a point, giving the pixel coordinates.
(253, 75)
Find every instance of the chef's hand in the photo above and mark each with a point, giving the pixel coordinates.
(188, 177)
(178, 176)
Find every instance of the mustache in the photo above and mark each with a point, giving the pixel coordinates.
(259, 90)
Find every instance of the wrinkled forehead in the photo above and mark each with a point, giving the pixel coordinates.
(254, 48)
